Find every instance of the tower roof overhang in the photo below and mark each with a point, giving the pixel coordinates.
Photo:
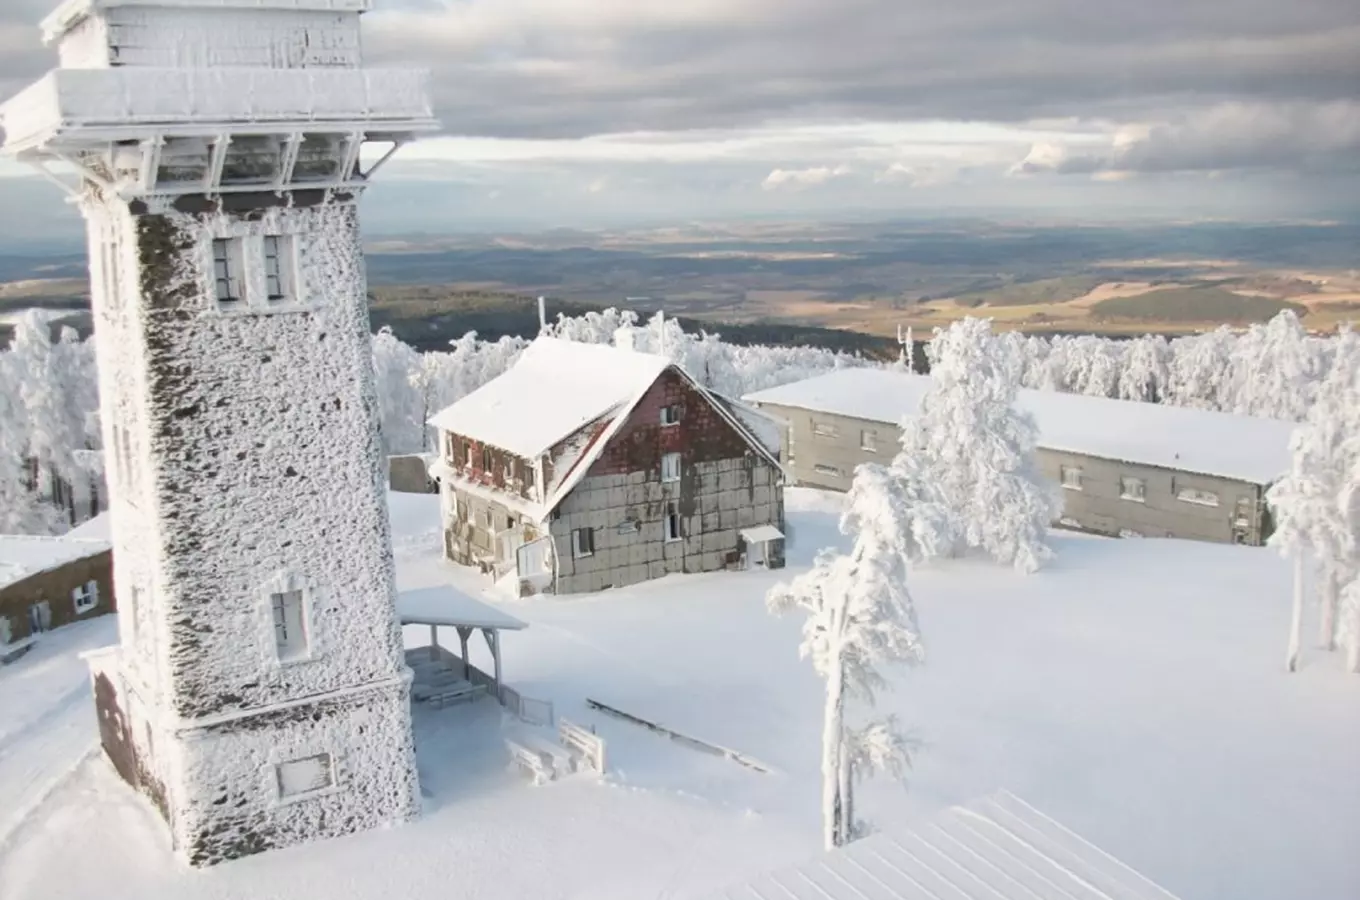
(82, 107)
(72, 12)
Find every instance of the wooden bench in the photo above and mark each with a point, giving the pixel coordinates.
(531, 761)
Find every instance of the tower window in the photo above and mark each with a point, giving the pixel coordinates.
(227, 271)
(251, 160)
(290, 632)
(276, 268)
(318, 158)
(183, 161)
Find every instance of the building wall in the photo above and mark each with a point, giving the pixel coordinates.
(197, 38)
(822, 451)
(723, 486)
(55, 587)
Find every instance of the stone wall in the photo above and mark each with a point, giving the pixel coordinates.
(54, 587)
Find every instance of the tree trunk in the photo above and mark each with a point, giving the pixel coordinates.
(847, 798)
(1328, 603)
(1296, 618)
(833, 751)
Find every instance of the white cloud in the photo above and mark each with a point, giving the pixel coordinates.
(797, 179)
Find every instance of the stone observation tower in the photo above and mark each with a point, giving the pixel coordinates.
(216, 148)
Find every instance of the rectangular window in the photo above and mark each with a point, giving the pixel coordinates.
(1243, 515)
(318, 158)
(290, 631)
(583, 542)
(670, 467)
(509, 470)
(252, 160)
(670, 415)
(822, 469)
(86, 597)
(673, 532)
(227, 271)
(1071, 477)
(301, 777)
(277, 268)
(1131, 488)
(825, 429)
(183, 161)
(486, 460)
(467, 454)
(1196, 496)
(868, 440)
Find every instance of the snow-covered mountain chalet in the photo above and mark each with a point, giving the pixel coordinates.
(587, 466)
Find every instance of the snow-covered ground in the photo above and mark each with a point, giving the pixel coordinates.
(1134, 691)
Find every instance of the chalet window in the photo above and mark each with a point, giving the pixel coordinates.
(823, 469)
(670, 415)
(1071, 477)
(278, 268)
(467, 453)
(227, 266)
(486, 460)
(301, 777)
(825, 429)
(670, 467)
(86, 597)
(1131, 488)
(583, 542)
(672, 523)
(252, 160)
(868, 440)
(509, 470)
(318, 158)
(1198, 497)
(290, 631)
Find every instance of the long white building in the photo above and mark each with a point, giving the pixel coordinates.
(216, 148)
(1126, 468)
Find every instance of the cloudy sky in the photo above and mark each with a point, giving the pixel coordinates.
(562, 112)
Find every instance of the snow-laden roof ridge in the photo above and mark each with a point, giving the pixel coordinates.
(1180, 438)
(25, 555)
(554, 389)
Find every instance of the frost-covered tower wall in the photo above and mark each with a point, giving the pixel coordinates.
(258, 693)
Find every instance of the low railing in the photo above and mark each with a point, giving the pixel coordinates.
(529, 709)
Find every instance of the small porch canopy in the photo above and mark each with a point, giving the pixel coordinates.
(447, 606)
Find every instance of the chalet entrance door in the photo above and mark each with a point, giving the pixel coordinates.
(39, 617)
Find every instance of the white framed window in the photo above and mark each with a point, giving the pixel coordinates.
(278, 268)
(288, 610)
(1071, 477)
(824, 469)
(86, 597)
(670, 415)
(1197, 496)
(228, 263)
(824, 429)
(670, 467)
(583, 543)
(868, 440)
(672, 523)
(1131, 488)
(304, 777)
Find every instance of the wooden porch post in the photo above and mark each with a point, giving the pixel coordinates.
(463, 634)
(434, 642)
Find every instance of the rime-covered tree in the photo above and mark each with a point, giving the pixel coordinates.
(1317, 512)
(860, 618)
(977, 450)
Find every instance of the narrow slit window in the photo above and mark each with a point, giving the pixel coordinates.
(583, 542)
(227, 271)
(290, 632)
(276, 268)
(673, 532)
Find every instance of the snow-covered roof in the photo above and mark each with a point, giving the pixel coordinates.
(22, 556)
(1189, 440)
(70, 13)
(1000, 846)
(446, 605)
(553, 390)
(100, 527)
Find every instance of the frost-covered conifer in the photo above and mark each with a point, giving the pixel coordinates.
(860, 617)
(976, 451)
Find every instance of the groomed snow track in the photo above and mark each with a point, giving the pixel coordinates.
(998, 848)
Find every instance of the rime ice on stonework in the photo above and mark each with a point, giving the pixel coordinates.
(216, 148)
